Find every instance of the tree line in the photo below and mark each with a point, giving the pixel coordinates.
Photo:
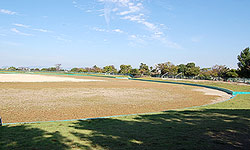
(169, 69)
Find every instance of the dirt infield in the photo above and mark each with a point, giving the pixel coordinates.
(45, 101)
(38, 78)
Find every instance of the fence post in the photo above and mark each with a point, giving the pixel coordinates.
(1, 121)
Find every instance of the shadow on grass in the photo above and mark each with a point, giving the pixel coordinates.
(203, 129)
(198, 129)
(25, 137)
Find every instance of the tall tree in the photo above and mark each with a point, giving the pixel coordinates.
(244, 63)
(219, 71)
(167, 68)
(144, 70)
(135, 72)
(12, 68)
(232, 73)
(96, 69)
(109, 69)
(191, 69)
(125, 69)
(182, 68)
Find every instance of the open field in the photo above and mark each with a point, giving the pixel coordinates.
(228, 85)
(28, 100)
(221, 126)
(39, 78)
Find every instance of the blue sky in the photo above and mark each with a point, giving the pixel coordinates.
(83, 33)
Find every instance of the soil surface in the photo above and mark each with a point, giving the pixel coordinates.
(38, 78)
(26, 101)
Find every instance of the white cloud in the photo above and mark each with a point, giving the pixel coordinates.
(21, 25)
(4, 11)
(117, 30)
(115, 9)
(26, 26)
(133, 36)
(107, 31)
(42, 30)
(132, 8)
(119, 7)
(99, 29)
(158, 33)
(141, 20)
(132, 11)
(60, 38)
(19, 32)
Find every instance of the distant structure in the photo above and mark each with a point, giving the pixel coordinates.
(58, 67)
(23, 68)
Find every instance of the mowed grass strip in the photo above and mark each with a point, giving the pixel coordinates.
(220, 126)
(237, 87)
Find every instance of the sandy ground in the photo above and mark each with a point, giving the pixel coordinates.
(39, 78)
(45, 101)
(221, 95)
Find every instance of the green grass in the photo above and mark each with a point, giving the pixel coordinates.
(220, 126)
(230, 86)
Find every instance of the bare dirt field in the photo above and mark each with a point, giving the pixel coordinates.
(25, 101)
(38, 78)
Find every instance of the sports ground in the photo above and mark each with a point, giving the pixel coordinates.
(30, 98)
(164, 116)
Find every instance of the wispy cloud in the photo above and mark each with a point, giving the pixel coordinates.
(108, 31)
(21, 25)
(132, 8)
(61, 38)
(42, 30)
(99, 29)
(135, 12)
(27, 26)
(118, 30)
(19, 32)
(5, 11)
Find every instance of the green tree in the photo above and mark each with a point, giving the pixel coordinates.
(182, 68)
(192, 70)
(232, 73)
(109, 69)
(44, 69)
(219, 71)
(167, 68)
(74, 70)
(125, 69)
(135, 72)
(244, 63)
(12, 68)
(96, 69)
(205, 73)
(52, 69)
(144, 70)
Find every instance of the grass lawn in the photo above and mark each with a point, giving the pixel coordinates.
(220, 126)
